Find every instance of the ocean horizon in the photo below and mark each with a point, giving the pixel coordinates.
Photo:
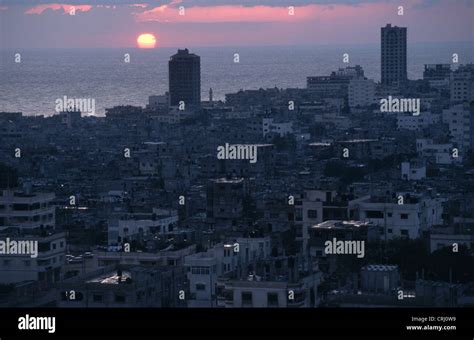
(44, 75)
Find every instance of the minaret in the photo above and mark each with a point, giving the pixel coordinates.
(210, 95)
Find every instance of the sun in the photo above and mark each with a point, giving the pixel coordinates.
(146, 40)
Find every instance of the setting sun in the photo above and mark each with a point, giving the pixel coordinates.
(146, 40)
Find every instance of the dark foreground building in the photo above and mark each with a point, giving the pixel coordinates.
(394, 55)
(185, 78)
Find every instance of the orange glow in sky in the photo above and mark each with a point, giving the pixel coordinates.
(146, 40)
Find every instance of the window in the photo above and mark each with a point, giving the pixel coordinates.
(246, 298)
(389, 214)
(312, 214)
(389, 231)
(200, 270)
(404, 216)
(272, 300)
(97, 298)
(200, 286)
(374, 214)
(44, 246)
(119, 298)
(404, 232)
(44, 262)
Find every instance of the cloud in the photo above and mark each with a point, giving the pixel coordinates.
(56, 7)
(228, 13)
(33, 3)
(200, 3)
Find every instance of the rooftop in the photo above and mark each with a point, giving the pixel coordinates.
(111, 278)
(380, 267)
(335, 224)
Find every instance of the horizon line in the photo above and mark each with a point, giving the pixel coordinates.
(2, 48)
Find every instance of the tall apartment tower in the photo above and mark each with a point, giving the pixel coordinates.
(185, 78)
(394, 55)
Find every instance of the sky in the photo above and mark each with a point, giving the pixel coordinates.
(200, 23)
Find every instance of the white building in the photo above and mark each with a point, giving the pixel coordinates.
(413, 171)
(440, 240)
(462, 83)
(158, 102)
(440, 153)
(127, 226)
(26, 211)
(206, 267)
(408, 121)
(309, 211)
(257, 293)
(461, 129)
(361, 92)
(437, 75)
(282, 129)
(30, 217)
(47, 267)
(378, 278)
(169, 257)
(407, 220)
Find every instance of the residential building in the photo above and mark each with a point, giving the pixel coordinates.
(394, 55)
(185, 78)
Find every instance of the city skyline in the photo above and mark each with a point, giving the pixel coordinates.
(336, 179)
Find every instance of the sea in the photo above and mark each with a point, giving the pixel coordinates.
(33, 85)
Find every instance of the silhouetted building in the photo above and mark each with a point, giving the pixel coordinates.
(394, 55)
(185, 78)
(437, 75)
(462, 84)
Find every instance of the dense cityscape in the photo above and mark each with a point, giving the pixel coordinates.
(346, 193)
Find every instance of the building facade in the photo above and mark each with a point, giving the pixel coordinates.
(394, 55)
(185, 78)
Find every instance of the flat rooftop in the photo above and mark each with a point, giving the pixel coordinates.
(336, 224)
(111, 278)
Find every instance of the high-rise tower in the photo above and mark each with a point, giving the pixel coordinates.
(185, 78)
(394, 55)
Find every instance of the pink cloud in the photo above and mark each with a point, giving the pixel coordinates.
(228, 13)
(55, 7)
